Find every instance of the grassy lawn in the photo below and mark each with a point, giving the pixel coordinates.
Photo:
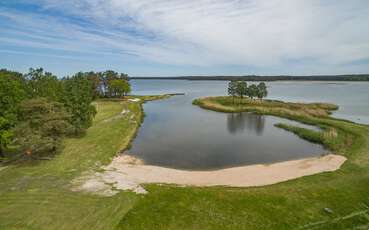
(38, 196)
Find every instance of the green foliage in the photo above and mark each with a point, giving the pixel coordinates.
(307, 134)
(77, 98)
(6, 135)
(232, 89)
(240, 88)
(43, 84)
(262, 90)
(252, 91)
(103, 83)
(12, 92)
(109, 76)
(42, 124)
(95, 79)
(119, 88)
(72, 95)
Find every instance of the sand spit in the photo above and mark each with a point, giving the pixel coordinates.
(125, 173)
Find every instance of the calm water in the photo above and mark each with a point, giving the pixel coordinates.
(177, 134)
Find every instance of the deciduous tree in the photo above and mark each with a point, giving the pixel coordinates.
(43, 84)
(232, 89)
(241, 88)
(77, 98)
(6, 135)
(252, 91)
(119, 88)
(12, 92)
(262, 90)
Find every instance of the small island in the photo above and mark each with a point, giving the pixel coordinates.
(243, 98)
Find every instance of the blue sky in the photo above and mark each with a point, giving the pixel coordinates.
(186, 37)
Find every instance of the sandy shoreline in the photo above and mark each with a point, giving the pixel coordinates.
(122, 174)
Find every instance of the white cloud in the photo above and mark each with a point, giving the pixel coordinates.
(261, 33)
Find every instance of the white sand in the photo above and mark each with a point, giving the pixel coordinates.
(125, 173)
(134, 99)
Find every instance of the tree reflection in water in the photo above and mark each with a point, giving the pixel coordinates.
(238, 122)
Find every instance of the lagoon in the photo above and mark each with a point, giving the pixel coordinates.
(176, 134)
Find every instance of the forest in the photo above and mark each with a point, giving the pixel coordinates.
(38, 109)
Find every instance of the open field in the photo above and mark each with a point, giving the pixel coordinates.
(38, 196)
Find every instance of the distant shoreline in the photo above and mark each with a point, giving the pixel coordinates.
(347, 77)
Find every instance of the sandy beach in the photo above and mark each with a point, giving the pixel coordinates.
(127, 173)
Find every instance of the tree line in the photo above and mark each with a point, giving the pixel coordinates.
(346, 77)
(38, 109)
(241, 89)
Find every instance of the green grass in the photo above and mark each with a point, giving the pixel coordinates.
(228, 104)
(307, 134)
(38, 196)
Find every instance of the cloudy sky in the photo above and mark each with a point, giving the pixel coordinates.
(186, 37)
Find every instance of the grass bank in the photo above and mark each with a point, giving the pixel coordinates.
(36, 195)
(273, 107)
